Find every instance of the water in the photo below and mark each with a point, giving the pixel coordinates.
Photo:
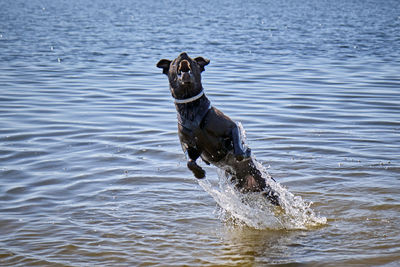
(91, 168)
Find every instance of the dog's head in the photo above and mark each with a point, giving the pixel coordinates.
(184, 74)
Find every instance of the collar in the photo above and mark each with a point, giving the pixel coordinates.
(190, 99)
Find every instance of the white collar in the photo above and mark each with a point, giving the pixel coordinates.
(190, 99)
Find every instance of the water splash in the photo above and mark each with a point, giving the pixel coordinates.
(254, 210)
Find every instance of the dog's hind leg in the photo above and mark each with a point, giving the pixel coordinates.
(266, 189)
(249, 179)
(271, 195)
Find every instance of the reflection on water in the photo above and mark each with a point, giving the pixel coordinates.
(91, 170)
(248, 246)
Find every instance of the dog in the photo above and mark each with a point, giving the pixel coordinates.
(206, 132)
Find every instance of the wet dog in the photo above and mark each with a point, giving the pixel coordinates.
(206, 132)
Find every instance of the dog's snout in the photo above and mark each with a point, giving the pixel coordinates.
(184, 66)
(185, 77)
(183, 55)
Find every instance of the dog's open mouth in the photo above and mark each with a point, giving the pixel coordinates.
(184, 72)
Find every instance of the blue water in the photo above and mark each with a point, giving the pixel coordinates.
(91, 169)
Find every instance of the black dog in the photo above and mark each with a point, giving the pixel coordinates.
(206, 132)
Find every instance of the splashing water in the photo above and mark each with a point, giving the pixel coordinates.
(254, 210)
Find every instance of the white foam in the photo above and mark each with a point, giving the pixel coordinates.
(254, 210)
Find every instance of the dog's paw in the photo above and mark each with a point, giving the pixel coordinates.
(245, 155)
(239, 157)
(198, 172)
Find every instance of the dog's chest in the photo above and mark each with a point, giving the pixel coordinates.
(190, 115)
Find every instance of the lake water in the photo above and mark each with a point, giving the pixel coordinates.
(91, 169)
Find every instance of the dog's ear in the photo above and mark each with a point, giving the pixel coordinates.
(202, 62)
(164, 64)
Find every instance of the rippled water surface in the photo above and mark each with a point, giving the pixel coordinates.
(91, 169)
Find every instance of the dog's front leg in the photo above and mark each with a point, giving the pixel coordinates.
(238, 149)
(192, 155)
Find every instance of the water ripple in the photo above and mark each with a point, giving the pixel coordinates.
(91, 168)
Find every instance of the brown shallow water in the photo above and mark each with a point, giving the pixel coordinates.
(91, 170)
